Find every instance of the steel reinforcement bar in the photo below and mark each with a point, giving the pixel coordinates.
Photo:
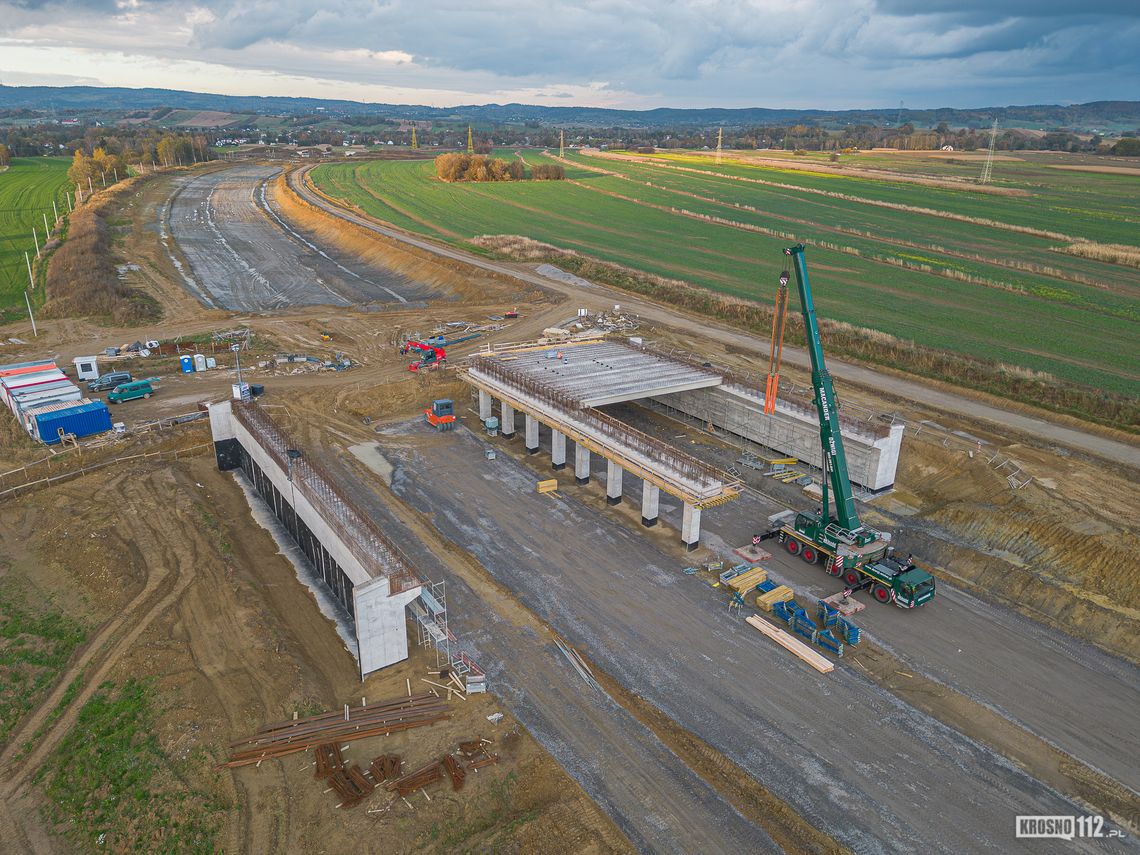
(379, 556)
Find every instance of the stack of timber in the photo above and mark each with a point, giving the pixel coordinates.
(779, 594)
(748, 580)
(789, 642)
(375, 719)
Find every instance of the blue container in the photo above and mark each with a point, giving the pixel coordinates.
(187, 364)
(83, 419)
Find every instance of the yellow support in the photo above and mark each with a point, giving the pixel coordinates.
(548, 486)
(787, 461)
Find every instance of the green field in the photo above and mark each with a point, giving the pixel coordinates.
(987, 290)
(27, 189)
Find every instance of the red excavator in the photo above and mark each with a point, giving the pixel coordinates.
(431, 357)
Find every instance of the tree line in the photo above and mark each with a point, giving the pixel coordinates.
(459, 166)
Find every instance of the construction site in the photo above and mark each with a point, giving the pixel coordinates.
(452, 553)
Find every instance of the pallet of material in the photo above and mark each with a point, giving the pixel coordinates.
(748, 580)
(781, 594)
(792, 644)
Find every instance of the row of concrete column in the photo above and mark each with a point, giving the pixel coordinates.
(650, 493)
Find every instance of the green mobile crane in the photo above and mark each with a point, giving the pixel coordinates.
(861, 555)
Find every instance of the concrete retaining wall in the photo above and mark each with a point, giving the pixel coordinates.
(378, 618)
(872, 455)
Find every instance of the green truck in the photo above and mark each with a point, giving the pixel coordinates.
(130, 391)
(833, 533)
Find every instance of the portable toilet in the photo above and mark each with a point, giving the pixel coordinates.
(211, 362)
(187, 364)
(86, 367)
(199, 362)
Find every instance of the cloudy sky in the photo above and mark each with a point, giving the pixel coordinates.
(607, 53)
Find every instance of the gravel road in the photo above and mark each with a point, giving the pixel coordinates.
(656, 800)
(243, 256)
(851, 757)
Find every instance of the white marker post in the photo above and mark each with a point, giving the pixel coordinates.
(30, 315)
(31, 279)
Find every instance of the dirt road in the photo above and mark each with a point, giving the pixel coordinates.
(658, 801)
(1031, 426)
(243, 256)
(851, 757)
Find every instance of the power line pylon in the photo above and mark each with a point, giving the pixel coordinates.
(470, 141)
(988, 168)
(415, 143)
(562, 143)
(719, 144)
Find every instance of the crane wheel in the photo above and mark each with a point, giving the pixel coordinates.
(851, 577)
(793, 546)
(809, 555)
(881, 593)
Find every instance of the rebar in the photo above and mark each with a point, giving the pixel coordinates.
(377, 554)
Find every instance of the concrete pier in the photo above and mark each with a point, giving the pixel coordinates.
(650, 503)
(484, 405)
(557, 450)
(613, 483)
(531, 434)
(507, 428)
(691, 527)
(581, 464)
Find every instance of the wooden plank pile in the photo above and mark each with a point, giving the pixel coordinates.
(789, 642)
(375, 719)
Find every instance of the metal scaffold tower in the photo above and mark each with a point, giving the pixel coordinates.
(430, 612)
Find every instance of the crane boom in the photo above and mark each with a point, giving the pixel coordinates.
(834, 458)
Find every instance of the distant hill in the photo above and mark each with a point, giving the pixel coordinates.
(1094, 115)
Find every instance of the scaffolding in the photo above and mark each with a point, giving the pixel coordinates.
(430, 613)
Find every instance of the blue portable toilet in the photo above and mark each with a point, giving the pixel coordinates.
(187, 364)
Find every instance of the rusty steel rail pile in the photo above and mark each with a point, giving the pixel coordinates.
(376, 552)
(376, 719)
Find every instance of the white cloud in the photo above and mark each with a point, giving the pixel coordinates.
(802, 53)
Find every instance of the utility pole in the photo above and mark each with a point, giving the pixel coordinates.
(30, 315)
